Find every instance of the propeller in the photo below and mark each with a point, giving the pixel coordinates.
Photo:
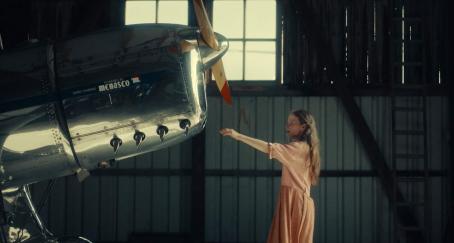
(210, 39)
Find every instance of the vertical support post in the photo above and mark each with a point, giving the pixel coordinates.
(1, 42)
(198, 188)
(447, 76)
(198, 160)
(3, 221)
(278, 36)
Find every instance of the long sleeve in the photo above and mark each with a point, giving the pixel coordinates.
(287, 154)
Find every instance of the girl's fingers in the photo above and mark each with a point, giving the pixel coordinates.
(226, 131)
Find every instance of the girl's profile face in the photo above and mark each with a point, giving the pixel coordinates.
(294, 128)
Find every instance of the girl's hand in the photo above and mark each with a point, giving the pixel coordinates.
(229, 132)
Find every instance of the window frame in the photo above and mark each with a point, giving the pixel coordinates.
(209, 4)
(278, 47)
(156, 10)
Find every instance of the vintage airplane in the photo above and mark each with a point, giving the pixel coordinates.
(68, 106)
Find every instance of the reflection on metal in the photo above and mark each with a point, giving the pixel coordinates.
(34, 147)
(15, 233)
(1, 43)
(46, 234)
(21, 212)
(111, 85)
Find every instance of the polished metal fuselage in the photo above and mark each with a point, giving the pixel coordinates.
(67, 106)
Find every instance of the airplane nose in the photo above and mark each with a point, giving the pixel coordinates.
(211, 56)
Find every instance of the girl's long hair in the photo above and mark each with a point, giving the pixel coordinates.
(310, 136)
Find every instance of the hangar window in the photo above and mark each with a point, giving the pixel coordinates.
(250, 26)
(157, 11)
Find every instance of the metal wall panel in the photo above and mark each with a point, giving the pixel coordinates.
(109, 208)
(241, 184)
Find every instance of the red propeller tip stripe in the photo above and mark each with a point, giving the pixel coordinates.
(225, 92)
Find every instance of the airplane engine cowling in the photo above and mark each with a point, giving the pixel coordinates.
(107, 95)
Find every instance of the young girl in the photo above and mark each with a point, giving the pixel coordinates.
(293, 220)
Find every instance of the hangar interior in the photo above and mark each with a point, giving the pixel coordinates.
(375, 74)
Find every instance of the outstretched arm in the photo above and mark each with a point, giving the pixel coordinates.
(258, 144)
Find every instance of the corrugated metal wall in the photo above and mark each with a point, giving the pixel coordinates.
(109, 208)
(242, 185)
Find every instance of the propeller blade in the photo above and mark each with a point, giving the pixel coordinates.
(210, 39)
(219, 75)
(204, 24)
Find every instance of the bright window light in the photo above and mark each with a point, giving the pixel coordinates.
(250, 27)
(139, 12)
(260, 60)
(233, 61)
(175, 12)
(228, 18)
(260, 19)
(168, 11)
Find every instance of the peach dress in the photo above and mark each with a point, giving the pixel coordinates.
(293, 220)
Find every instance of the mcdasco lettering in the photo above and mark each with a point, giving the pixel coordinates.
(114, 85)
